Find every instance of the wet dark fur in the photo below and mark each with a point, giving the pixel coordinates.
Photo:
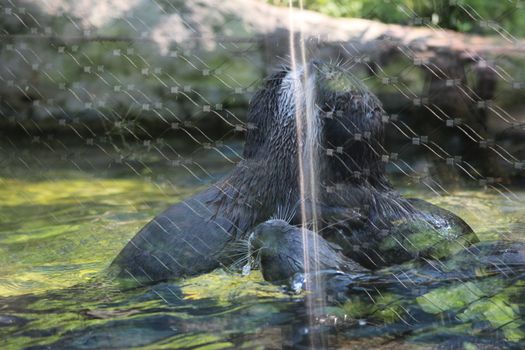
(192, 237)
(356, 203)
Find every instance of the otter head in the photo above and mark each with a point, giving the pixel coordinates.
(281, 249)
(352, 127)
(269, 236)
(325, 110)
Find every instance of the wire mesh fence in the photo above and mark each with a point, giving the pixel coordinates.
(112, 110)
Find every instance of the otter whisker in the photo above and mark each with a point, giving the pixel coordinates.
(242, 243)
(241, 255)
(286, 211)
(246, 258)
(291, 215)
(238, 265)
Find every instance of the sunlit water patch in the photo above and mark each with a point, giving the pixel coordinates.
(58, 233)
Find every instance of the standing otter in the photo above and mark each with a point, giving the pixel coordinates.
(193, 237)
(355, 206)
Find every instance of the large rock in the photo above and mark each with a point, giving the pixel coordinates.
(135, 66)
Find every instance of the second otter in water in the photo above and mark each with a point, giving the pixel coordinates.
(281, 248)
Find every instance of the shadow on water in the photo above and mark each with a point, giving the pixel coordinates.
(62, 224)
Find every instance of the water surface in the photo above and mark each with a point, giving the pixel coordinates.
(64, 215)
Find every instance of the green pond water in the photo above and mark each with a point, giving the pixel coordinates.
(65, 212)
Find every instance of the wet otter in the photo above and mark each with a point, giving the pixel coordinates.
(280, 249)
(355, 206)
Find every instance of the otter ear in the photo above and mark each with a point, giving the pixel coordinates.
(262, 110)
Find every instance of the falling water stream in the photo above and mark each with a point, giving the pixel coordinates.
(307, 126)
